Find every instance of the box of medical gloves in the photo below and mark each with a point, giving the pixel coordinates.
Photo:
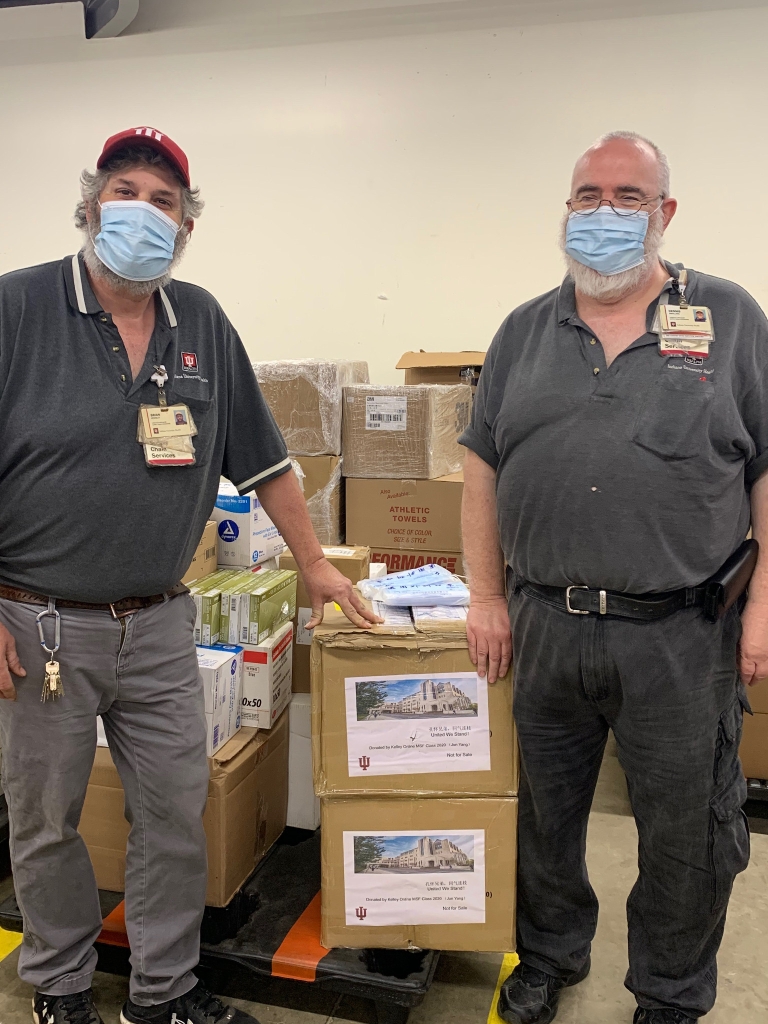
(403, 873)
(246, 534)
(267, 678)
(221, 670)
(266, 602)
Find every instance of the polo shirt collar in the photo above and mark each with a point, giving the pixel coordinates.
(82, 299)
(566, 295)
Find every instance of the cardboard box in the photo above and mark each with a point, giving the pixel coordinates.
(411, 514)
(351, 562)
(324, 494)
(754, 746)
(204, 560)
(221, 669)
(303, 805)
(757, 696)
(245, 815)
(305, 398)
(443, 873)
(399, 559)
(402, 710)
(441, 367)
(246, 534)
(404, 432)
(267, 678)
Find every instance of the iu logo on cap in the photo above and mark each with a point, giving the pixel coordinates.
(189, 361)
(361, 913)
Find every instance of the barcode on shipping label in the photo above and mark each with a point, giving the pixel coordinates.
(209, 553)
(386, 413)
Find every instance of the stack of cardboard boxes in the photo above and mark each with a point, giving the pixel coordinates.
(418, 792)
(754, 743)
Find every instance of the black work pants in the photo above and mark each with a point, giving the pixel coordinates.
(671, 694)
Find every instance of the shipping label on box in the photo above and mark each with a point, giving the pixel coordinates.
(405, 878)
(413, 723)
(267, 679)
(246, 534)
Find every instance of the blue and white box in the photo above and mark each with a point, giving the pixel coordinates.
(246, 536)
(221, 670)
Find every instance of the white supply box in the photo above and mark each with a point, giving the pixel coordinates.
(246, 534)
(303, 805)
(221, 669)
(267, 678)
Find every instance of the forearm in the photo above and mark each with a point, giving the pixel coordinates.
(483, 557)
(758, 587)
(285, 505)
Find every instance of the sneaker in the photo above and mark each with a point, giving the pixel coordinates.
(530, 996)
(196, 1007)
(73, 1009)
(668, 1016)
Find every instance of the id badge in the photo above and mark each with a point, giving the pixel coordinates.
(685, 330)
(166, 432)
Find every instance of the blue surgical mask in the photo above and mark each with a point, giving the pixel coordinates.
(136, 239)
(606, 241)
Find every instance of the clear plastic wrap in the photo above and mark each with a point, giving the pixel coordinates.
(326, 509)
(407, 431)
(305, 398)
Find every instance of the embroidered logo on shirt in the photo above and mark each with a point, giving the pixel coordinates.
(189, 361)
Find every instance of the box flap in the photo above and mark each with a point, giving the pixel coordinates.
(410, 360)
(232, 747)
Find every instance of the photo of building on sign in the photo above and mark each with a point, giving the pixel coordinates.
(381, 699)
(401, 855)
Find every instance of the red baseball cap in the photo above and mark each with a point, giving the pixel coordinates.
(144, 136)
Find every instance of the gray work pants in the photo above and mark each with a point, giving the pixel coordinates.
(141, 675)
(670, 692)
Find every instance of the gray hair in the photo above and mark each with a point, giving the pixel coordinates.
(92, 184)
(637, 138)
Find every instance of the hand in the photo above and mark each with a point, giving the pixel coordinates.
(489, 637)
(9, 663)
(753, 649)
(324, 584)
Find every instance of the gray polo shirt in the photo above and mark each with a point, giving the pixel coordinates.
(81, 514)
(632, 477)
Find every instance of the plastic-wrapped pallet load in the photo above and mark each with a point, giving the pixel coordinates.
(323, 487)
(409, 431)
(305, 398)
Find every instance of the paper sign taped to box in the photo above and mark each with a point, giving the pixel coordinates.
(396, 878)
(407, 725)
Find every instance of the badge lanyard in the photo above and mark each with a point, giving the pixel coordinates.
(166, 431)
(683, 329)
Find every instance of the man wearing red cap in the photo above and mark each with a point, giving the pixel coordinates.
(98, 523)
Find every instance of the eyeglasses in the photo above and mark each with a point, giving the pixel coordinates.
(625, 206)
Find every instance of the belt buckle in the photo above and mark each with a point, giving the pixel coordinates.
(573, 611)
(118, 615)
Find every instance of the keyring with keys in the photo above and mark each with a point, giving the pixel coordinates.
(52, 687)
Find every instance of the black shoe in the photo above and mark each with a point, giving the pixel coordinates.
(196, 1007)
(669, 1016)
(529, 996)
(72, 1009)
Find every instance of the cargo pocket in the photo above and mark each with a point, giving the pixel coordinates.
(729, 829)
(673, 418)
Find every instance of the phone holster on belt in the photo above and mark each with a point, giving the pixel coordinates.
(730, 581)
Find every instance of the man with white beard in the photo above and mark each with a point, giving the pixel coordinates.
(97, 528)
(617, 457)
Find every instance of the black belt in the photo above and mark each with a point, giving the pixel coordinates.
(648, 607)
(715, 595)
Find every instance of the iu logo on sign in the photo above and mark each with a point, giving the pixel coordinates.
(364, 762)
(189, 361)
(361, 913)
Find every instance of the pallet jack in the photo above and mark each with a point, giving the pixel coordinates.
(271, 929)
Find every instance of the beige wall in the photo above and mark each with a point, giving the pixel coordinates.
(429, 168)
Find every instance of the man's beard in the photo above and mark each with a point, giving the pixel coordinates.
(616, 286)
(134, 289)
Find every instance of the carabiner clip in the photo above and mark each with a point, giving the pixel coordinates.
(50, 610)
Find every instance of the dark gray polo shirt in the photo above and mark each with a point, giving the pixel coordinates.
(632, 477)
(81, 514)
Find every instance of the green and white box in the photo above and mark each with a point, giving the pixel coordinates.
(266, 605)
(206, 593)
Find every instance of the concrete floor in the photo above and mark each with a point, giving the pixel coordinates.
(464, 985)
